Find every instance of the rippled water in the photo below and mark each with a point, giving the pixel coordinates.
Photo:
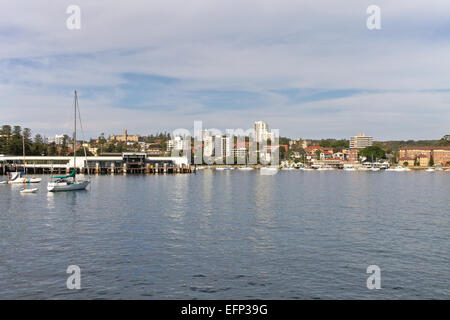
(230, 235)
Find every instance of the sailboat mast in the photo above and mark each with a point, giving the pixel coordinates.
(23, 152)
(75, 133)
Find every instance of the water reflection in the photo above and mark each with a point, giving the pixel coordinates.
(229, 235)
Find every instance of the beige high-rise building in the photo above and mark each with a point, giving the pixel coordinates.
(360, 141)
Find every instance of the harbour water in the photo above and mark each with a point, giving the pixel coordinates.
(230, 235)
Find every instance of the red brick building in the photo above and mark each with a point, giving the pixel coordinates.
(353, 155)
(441, 155)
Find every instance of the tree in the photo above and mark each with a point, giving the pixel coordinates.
(373, 152)
(52, 150)
(405, 164)
(27, 140)
(431, 161)
(5, 137)
(80, 153)
(38, 147)
(15, 141)
(64, 145)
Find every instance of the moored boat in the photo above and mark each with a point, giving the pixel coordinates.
(16, 178)
(269, 170)
(69, 182)
(33, 190)
(245, 168)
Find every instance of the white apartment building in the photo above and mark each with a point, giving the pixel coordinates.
(176, 143)
(57, 139)
(261, 131)
(360, 141)
(208, 146)
(223, 146)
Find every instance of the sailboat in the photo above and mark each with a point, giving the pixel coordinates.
(16, 177)
(69, 182)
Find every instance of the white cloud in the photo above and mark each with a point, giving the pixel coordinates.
(258, 46)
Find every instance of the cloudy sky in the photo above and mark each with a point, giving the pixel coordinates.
(310, 68)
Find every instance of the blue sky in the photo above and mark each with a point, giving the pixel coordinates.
(309, 68)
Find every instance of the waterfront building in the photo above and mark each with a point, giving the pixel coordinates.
(326, 155)
(409, 161)
(423, 160)
(339, 155)
(176, 143)
(208, 145)
(360, 141)
(112, 162)
(353, 155)
(223, 146)
(226, 146)
(441, 155)
(311, 151)
(125, 137)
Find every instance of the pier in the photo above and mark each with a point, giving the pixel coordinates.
(125, 163)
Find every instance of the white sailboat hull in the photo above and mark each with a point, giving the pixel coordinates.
(29, 190)
(65, 186)
(245, 168)
(24, 180)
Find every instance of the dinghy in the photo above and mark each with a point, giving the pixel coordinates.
(33, 190)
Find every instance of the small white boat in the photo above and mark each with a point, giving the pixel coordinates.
(3, 182)
(430, 170)
(33, 190)
(375, 169)
(268, 171)
(245, 168)
(363, 169)
(287, 168)
(400, 169)
(224, 168)
(349, 168)
(306, 169)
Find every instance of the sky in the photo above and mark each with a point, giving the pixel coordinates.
(309, 68)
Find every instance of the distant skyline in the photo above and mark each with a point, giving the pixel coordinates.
(308, 68)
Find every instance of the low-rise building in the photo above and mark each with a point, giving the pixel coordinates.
(408, 161)
(353, 155)
(441, 155)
